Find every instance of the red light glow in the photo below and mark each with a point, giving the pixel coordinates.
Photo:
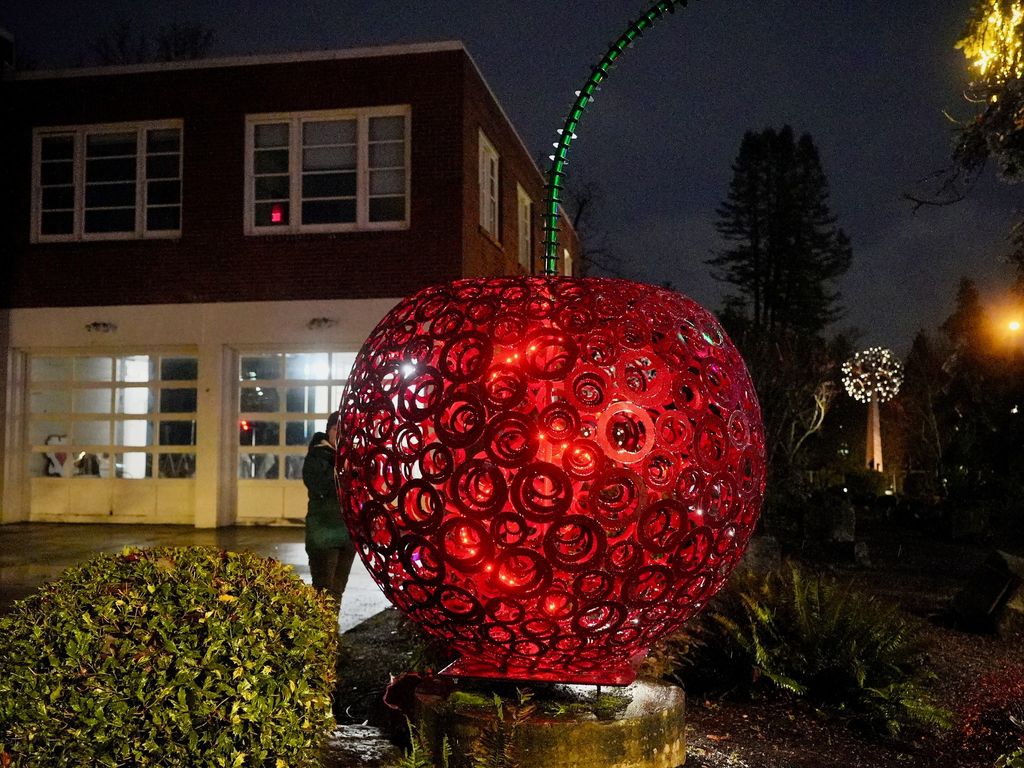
(568, 472)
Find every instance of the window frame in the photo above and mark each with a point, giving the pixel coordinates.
(295, 120)
(79, 135)
(524, 210)
(488, 159)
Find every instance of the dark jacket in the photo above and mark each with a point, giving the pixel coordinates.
(325, 528)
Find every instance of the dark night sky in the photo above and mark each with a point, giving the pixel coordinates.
(868, 79)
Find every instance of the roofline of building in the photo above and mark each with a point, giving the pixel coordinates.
(405, 49)
(285, 58)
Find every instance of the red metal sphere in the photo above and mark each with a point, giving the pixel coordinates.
(550, 473)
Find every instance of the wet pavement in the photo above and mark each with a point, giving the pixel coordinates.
(32, 553)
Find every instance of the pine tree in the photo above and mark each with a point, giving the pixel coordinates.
(785, 251)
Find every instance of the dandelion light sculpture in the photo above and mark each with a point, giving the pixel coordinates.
(551, 473)
(873, 376)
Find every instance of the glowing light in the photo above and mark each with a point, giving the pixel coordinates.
(276, 213)
(993, 44)
(1013, 325)
(874, 374)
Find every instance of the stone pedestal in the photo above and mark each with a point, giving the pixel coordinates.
(642, 725)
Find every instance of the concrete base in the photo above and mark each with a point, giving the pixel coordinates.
(640, 726)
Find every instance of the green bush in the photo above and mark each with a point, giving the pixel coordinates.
(815, 638)
(170, 657)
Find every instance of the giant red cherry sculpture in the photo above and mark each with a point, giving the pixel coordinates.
(550, 473)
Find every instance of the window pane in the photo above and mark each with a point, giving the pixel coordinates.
(136, 368)
(271, 214)
(177, 465)
(178, 400)
(133, 432)
(56, 173)
(257, 466)
(52, 433)
(88, 464)
(177, 433)
(329, 159)
(115, 220)
(341, 364)
(179, 369)
(90, 433)
(271, 161)
(329, 132)
(163, 219)
(163, 192)
(163, 167)
(110, 195)
(91, 401)
(389, 155)
(163, 140)
(132, 400)
(307, 366)
(382, 128)
(299, 432)
(57, 147)
(57, 223)
(258, 400)
(109, 144)
(260, 367)
(387, 182)
(133, 466)
(293, 467)
(316, 185)
(93, 368)
(50, 401)
(259, 433)
(59, 197)
(110, 169)
(329, 212)
(309, 400)
(387, 209)
(271, 187)
(271, 135)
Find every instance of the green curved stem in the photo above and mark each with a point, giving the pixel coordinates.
(556, 175)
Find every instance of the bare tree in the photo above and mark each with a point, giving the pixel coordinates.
(582, 202)
(176, 41)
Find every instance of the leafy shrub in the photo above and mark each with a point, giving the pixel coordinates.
(992, 717)
(170, 657)
(815, 638)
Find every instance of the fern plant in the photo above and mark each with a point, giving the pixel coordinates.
(495, 747)
(419, 754)
(819, 639)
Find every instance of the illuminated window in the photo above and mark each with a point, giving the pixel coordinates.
(130, 417)
(328, 171)
(107, 182)
(490, 199)
(525, 209)
(283, 400)
(567, 265)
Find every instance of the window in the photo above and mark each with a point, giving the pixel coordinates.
(525, 229)
(283, 399)
(327, 171)
(489, 187)
(566, 262)
(107, 182)
(130, 416)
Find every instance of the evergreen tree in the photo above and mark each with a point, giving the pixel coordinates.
(785, 251)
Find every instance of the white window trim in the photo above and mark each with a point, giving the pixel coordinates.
(295, 119)
(525, 222)
(490, 194)
(567, 265)
(79, 132)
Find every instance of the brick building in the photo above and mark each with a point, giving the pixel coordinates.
(194, 251)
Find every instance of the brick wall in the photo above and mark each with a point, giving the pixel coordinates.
(213, 260)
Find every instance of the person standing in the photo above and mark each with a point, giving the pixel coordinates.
(328, 545)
